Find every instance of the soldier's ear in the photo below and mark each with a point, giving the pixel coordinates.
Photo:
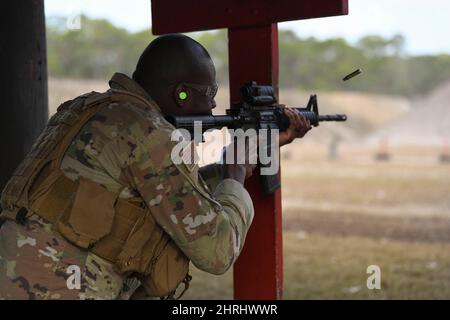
(182, 95)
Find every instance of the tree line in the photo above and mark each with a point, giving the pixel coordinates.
(99, 49)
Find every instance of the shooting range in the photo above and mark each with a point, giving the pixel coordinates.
(372, 191)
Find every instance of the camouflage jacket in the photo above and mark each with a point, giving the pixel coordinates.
(128, 149)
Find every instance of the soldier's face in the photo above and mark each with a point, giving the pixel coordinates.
(194, 93)
(203, 90)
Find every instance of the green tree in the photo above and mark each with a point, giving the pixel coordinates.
(100, 49)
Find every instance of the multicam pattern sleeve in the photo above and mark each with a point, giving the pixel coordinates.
(211, 174)
(210, 228)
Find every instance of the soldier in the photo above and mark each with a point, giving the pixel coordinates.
(98, 209)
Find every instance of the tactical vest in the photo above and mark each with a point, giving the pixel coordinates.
(122, 231)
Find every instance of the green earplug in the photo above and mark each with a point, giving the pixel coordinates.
(182, 95)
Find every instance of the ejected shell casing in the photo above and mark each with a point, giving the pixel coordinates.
(351, 75)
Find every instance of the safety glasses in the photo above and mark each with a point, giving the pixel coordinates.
(208, 91)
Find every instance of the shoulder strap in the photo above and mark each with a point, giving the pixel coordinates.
(91, 106)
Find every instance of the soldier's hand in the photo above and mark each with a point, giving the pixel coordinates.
(298, 127)
(235, 170)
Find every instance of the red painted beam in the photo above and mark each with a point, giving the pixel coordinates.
(258, 272)
(169, 16)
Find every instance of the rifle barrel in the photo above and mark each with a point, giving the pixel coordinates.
(333, 117)
(314, 119)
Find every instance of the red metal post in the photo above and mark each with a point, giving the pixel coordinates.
(258, 272)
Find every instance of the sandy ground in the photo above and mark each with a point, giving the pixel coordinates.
(427, 123)
(341, 216)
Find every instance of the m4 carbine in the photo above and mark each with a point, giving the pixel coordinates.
(258, 109)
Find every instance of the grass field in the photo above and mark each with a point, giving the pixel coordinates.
(319, 266)
(342, 216)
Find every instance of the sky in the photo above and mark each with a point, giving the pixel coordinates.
(424, 24)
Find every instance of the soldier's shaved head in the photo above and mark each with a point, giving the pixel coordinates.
(170, 60)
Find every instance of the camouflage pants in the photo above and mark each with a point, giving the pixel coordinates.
(36, 263)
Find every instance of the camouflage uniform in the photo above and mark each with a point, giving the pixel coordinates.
(127, 149)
